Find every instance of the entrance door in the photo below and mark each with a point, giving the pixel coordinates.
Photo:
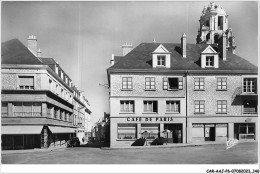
(177, 133)
(210, 133)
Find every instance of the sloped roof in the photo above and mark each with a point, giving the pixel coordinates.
(14, 52)
(47, 61)
(141, 58)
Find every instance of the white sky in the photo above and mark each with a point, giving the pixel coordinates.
(81, 36)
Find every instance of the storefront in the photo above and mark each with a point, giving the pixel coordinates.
(209, 132)
(244, 131)
(125, 131)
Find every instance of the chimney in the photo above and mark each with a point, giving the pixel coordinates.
(183, 45)
(127, 47)
(222, 46)
(39, 53)
(32, 44)
(112, 61)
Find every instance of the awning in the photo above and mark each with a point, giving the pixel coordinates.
(23, 129)
(58, 130)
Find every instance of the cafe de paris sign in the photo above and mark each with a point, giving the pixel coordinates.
(148, 119)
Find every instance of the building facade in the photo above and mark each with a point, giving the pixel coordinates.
(195, 92)
(37, 99)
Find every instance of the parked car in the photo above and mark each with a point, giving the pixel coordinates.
(74, 142)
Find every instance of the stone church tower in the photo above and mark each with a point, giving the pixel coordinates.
(213, 24)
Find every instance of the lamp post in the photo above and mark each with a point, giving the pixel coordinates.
(166, 132)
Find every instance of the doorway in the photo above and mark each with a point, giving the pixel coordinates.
(175, 136)
(210, 133)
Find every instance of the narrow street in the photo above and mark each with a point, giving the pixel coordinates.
(242, 153)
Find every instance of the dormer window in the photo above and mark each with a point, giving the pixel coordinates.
(209, 61)
(209, 58)
(161, 60)
(161, 57)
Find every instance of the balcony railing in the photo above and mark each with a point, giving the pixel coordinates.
(27, 114)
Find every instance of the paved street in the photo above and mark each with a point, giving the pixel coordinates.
(245, 153)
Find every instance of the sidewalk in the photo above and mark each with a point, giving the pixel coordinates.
(171, 145)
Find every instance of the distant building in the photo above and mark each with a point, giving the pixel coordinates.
(37, 99)
(197, 92)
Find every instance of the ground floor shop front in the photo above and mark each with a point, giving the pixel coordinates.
(219, 129)
(35, 136)
(125, 130)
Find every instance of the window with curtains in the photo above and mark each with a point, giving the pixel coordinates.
(151, 106)
(26, 82)
(27, 109)
(126, 131)
(4, 109)
(150, 131)
(250, 85)
(173, 106)
(127, 106)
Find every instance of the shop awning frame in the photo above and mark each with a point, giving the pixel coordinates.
(21, 129)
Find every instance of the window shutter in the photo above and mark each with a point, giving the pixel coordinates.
(165, 83)
(180, 83)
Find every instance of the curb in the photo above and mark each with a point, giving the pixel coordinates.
(154, 147)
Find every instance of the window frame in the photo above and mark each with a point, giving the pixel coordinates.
(161, 60)
(170, 105)
(26, 75)
(128, 83)
(129, 106)
(201, 102)
(146, 106)
(166, 83)
(200, 80)
(209, 61)
(148, 83)
(222, 106)
(127, 125)
(220, 84)
(255, 85)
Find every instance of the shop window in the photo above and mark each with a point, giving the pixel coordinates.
(151, 106)
(249, 85)
(222, 106)
(4, 109)
(26, 82)
(173, 106)
(126, 106)
(150, 131)
(127, 83)
(172, 83)
(199, 106)
(221, 83)
(199, 83)
(161, 60)
(126, 131)
(150, 83)
(250, 106)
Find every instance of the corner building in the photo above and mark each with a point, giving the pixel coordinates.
(37, 99)
(200, 92)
